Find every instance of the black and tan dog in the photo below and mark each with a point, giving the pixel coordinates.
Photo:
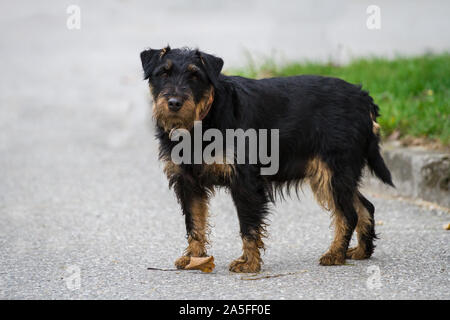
(327, 134)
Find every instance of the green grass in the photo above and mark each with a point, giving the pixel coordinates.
(413, 93)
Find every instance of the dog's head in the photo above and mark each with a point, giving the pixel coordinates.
(182, 83)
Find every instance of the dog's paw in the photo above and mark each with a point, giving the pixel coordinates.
(331, 259)
(357, 253)
(243, 266)
(182, 262)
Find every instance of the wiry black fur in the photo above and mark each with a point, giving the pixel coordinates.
(317, 117)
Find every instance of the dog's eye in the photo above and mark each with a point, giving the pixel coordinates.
(194, 75)
(193, 72)
(163, 73)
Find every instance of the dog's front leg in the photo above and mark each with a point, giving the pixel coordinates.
(250, 197)
(195, 210)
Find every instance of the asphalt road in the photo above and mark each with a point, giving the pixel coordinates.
(77, 197)
(85, 208)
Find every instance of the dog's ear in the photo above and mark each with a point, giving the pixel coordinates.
(149, 59)
(213, 66)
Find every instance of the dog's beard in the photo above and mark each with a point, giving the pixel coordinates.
(170, 124)
(186, 116)
(169, 121)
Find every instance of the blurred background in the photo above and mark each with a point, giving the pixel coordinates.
(43, 62)
(80, 182)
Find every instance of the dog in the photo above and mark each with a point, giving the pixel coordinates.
(327, 134)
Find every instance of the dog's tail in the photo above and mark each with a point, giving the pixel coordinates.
(374, 159)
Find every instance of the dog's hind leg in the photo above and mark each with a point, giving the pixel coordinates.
(250, 197)
(365, 229)
(345, 219)
(334, 190)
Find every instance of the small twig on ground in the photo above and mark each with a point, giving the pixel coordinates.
(161, 269)
(268, 276)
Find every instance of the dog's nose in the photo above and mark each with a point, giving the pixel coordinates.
(174, 104)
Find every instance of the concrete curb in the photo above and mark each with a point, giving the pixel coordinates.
(416, 172)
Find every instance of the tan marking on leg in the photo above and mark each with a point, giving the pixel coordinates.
(362, 229)
(319, 175)
(336, 253)
(364, 218)
(250, 261)
(182, 262)
(320, 181)
(196, 248)
(198, 238)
